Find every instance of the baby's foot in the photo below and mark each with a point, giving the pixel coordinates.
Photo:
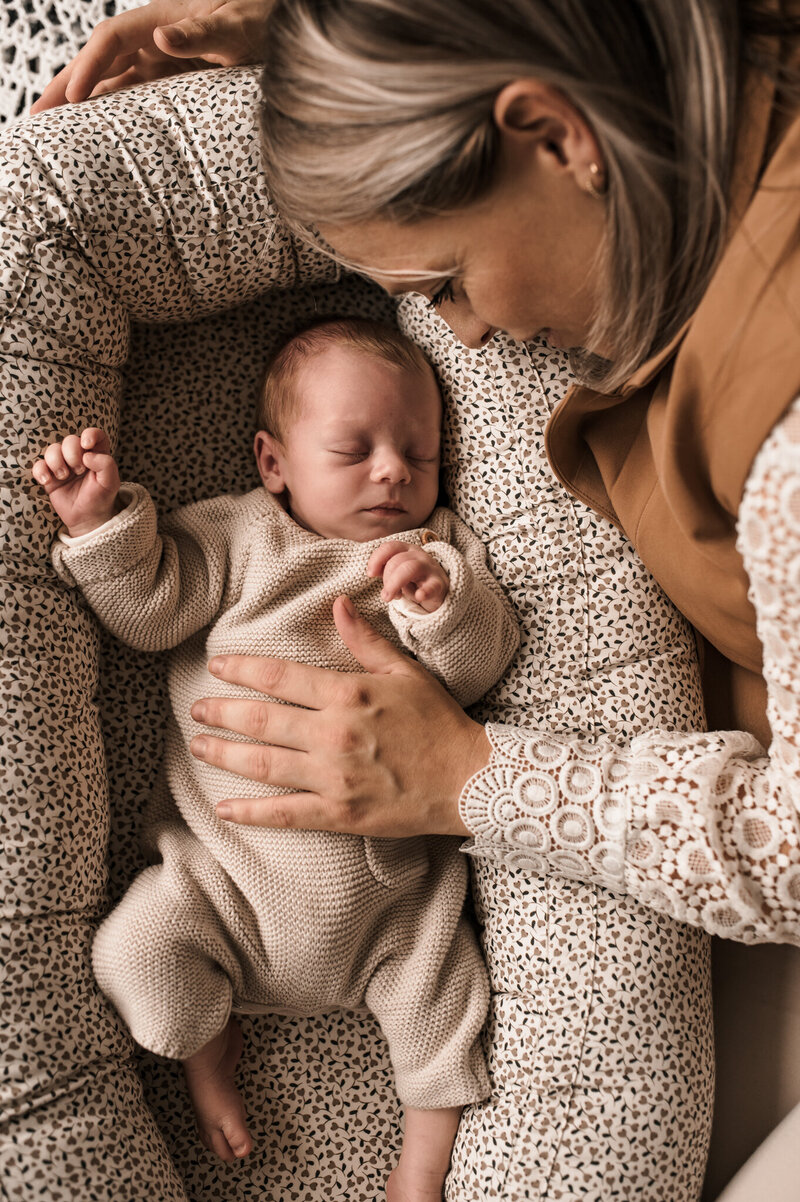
(407, 1185)
(217, 1103)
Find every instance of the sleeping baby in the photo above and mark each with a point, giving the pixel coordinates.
(243, 919)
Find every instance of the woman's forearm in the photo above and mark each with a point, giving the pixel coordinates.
(705, 827)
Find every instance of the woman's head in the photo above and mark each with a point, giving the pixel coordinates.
(396, 113)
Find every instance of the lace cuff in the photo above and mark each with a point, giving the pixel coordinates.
(676, 820)
(542, 808)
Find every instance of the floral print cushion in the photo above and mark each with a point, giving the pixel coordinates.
(144, 278)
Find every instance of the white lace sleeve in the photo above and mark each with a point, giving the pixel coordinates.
(705, 827)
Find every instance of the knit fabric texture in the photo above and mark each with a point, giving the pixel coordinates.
(295, 922)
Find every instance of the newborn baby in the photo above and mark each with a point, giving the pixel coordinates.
(233, 918)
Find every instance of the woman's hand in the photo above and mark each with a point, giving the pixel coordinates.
(385, 753)
(164, 37)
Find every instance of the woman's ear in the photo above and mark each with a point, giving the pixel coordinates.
(269, 458)
(535, 118)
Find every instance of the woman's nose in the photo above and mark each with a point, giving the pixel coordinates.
(468, 329)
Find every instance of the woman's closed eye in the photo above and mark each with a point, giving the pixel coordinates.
(445, 293)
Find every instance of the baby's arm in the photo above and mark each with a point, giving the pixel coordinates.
(468, 639)
(150, 586)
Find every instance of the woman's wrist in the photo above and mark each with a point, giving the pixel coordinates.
(469, 756)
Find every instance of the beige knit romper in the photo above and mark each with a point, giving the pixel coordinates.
(294, 922)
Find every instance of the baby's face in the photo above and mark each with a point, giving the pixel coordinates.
(361, 458)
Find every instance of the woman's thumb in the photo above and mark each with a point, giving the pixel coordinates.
(217, 38)
(371, 650)
(189, 37)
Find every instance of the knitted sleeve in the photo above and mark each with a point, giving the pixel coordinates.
(704, 827)
(152, 586)
(470, 640)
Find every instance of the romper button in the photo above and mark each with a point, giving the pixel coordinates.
(427, 536)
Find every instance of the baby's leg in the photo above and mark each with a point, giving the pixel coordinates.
(167, 961)
(425, 1157)
(218, 1105)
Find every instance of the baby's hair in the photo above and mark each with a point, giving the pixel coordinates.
(279, 399)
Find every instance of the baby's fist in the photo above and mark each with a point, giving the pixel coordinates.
(409, 572)
(81, 479)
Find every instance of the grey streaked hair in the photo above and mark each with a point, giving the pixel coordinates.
(383, 108)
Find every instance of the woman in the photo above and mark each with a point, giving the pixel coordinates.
(622, 181)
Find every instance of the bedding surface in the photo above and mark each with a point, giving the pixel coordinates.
(143, 278)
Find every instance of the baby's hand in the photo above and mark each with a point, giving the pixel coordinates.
(409, 572)
(81, 479)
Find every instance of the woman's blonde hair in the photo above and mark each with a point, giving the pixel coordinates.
(384, 108)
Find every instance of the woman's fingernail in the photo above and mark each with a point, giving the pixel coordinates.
(198, 711)
(224, 810)
(348, 605)
(216, 666)
(199, 745)
(174, 35)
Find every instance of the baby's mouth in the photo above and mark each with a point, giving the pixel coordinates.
(387, 507)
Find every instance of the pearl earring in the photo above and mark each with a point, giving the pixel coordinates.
(593, 185)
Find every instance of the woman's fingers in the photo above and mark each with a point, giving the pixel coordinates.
(107, 53)
(136, 74)
(265, 721)
(227, 32)
(56, 91)
(114, 48)
(220, 38)
(280, 766)
(164, 37)
(298, 811)
(371, 650)
(299, 684)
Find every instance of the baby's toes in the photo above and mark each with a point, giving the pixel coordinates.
(214, 1139)
(225, 1133)
(228, 1137)
(237, 1136)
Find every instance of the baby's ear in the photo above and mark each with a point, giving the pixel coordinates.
(269, 458)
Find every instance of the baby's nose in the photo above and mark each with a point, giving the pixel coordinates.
(391, 466)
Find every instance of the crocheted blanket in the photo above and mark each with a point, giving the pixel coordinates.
(37, 39)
